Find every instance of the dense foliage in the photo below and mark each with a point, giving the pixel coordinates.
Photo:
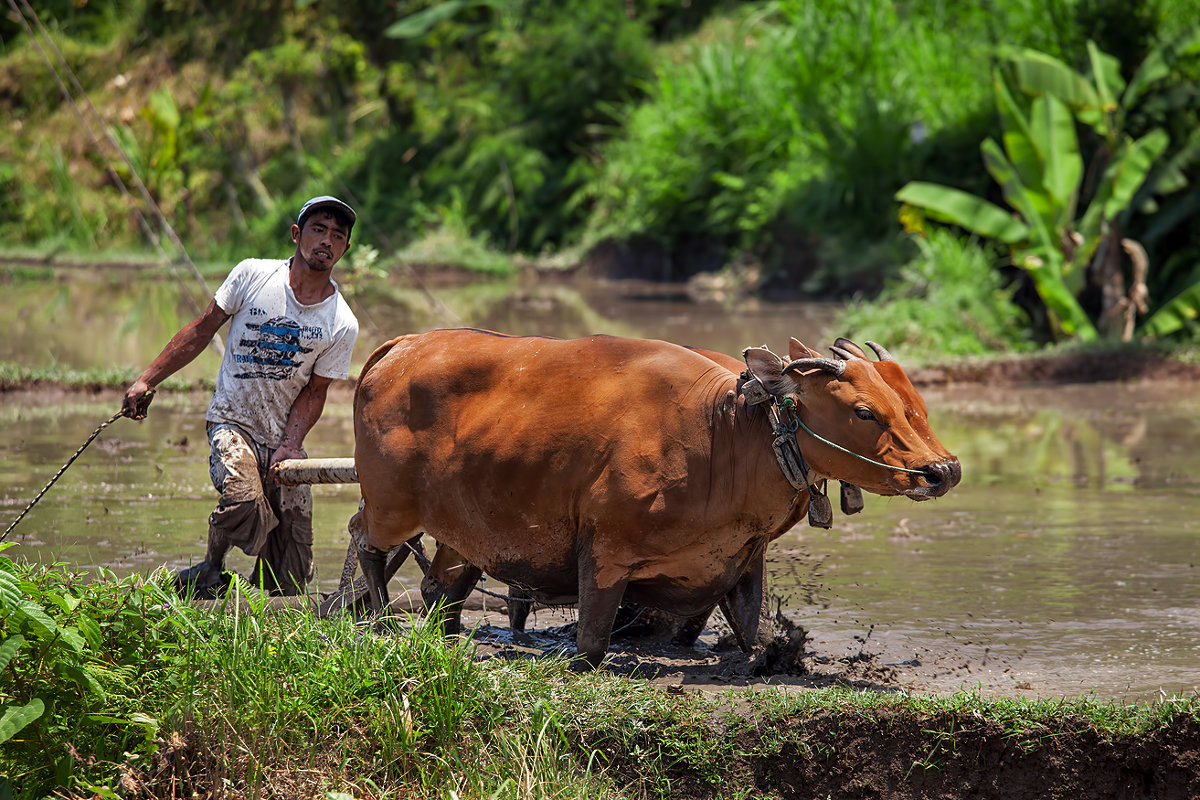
(703, 132)
(1068, 221)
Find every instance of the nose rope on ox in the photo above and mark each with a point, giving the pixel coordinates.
(788, 405)
(786, 444)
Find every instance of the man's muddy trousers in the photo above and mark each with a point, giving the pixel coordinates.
(271, 522)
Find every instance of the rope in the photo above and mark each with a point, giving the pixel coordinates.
(799, 422)
(58, 474)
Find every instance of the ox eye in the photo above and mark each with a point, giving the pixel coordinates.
(864, 413)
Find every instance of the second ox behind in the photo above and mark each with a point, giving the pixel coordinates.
(601, 469)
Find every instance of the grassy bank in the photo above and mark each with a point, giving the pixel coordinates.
(13, 376)
(113, 688)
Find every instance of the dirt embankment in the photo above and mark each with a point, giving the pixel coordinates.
(841, 755)
(905, 756)
(1120, 363)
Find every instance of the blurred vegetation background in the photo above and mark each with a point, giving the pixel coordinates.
(761, 142)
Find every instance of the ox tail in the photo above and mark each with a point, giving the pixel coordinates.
(374, 359)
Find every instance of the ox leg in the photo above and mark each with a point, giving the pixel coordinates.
(745, 606)
(354, 593)
(691, 628)
(598, 606)
(519, 604)
(448, 581)
(373, 562)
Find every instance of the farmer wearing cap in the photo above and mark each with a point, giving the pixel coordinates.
(291, 335)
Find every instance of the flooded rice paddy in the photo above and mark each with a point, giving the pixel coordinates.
(1066, 563)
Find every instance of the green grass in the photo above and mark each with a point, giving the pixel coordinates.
(452, 245)
(14, 375)
(129, 686)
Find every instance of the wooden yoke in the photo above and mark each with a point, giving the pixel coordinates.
(350, 593)
(299, 471)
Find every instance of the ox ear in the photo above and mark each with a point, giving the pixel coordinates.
(768, 368)
(797, 350)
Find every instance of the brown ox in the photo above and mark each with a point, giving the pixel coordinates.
(606, 468)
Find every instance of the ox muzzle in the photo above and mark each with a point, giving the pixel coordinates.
(939, 478)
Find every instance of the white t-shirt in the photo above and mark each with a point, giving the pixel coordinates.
(274, 346)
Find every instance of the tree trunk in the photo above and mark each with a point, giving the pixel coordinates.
(1108, 281)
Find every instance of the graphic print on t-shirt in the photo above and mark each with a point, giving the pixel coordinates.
(272, 354)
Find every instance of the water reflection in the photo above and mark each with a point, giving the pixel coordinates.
(1069, 550)
(108, 318)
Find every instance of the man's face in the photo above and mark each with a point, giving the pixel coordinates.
(322, 241)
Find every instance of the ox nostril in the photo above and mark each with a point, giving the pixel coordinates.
(944, 476)
(935, 475)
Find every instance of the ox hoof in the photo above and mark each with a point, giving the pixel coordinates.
(380, 624)
(586, 663)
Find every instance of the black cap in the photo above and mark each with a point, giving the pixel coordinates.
(325, 201)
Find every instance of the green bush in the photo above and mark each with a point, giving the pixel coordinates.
(505, 112)
(76, 664)
(805, 120)
(948, 300)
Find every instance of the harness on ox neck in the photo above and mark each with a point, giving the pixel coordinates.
(788, 454)
(786, 444)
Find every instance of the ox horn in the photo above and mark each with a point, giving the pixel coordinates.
(884, 355)
(844, 355)
(845, 344)
(832, 366)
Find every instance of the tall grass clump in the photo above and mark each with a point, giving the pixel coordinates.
(76, 662)
(282, 693)
(808, 119)
(948, 300)
(119, 686)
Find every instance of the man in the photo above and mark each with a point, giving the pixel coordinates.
(291, 335)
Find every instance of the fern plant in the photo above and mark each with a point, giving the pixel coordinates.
(68, 665)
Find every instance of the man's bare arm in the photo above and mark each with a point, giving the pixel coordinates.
(305, 412)
(178, 353)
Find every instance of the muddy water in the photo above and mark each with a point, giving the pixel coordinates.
(1065, 563)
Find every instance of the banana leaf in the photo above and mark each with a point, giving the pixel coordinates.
(1045, 267)
(1157, 63)
(1053, 129)
(957, 207)
(1178, 313)
(1106, 77)
(1034, 204)
(1131, 171)
(1017, 137)
(1130, 165)
(1042, 74)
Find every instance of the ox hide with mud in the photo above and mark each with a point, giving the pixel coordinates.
(605, 469)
